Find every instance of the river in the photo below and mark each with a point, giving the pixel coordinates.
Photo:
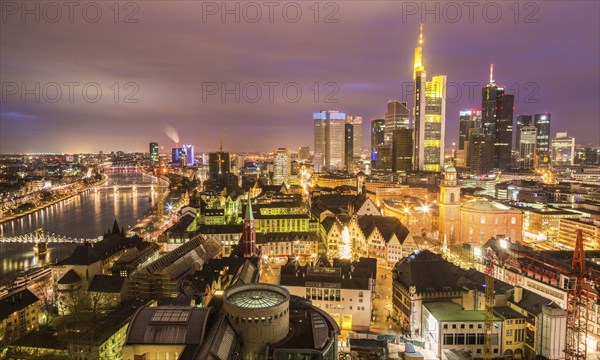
(87, 215)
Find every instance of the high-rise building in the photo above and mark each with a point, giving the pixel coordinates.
(348, 145)
(481, 151)
(497, 120)
(468, 119)
(563, 150)
(329, 140)
(177, 156)
(154, 153)
(402, 147)
(282, 166)
(542, 124)
(377, 136)
(522, 120)
(188, 150)
(592, 156)
(304, 153)
(419, 78)
(356, 122)
(397, 116)
(429, 116)
(218, 164)
(527, 145)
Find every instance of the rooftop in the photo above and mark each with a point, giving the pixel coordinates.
(449, 311)
(16, 302)
(256, 296)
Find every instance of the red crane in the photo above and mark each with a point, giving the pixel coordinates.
(578, 302)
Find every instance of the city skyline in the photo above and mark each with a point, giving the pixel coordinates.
(371, 74)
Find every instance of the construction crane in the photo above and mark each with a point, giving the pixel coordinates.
(578, 303)
(489, 302)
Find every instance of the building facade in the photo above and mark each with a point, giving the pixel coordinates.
(542, 124)
(329, 128)
(282, 166)
(563, 150)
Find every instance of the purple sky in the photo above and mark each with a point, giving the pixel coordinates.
(172, 53)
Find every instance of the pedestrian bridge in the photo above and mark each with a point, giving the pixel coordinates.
(45, 236)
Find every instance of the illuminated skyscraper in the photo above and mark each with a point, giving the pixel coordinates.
(497, 120)
(397, 116)
(522, 120)
(356, 122)
(177, 156)
(563, 150)
(377, 134)
(329, 140)
(154, 153)
(429, 116)
(188, 150)
(542, 124)
(419, 77)
(468, 119)
(282, 166)
(218, 164)
(527, 147)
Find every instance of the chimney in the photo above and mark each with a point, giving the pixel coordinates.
(518, 294)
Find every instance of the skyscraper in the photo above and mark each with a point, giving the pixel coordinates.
(348, 145)
(563, 150)
(527, 147)
(154, 153)
(497, 120)
(188, 150)
(329, 140)
(304, 153)
(356, 122)
(481, 151)
(377, 135)
(282, 167)
(218, 164)
(522, 120)
(397, 116)
(402, 147)
(177, 156)
(419, 77)
(429, 116)
(468, 119)
(542, 124)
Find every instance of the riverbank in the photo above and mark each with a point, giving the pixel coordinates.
(50, 203)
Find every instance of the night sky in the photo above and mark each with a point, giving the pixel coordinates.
(176, 51)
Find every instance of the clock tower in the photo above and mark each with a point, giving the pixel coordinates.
(449, 206)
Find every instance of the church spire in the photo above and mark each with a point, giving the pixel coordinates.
(249, 215)
(249, 234)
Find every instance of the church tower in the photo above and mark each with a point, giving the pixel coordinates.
(449, 206)
(249, 236)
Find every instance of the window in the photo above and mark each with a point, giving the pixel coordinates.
(448, 339)
(483, 219)
(459, 339)
(513, 220)
(445, 326)
(454, 326)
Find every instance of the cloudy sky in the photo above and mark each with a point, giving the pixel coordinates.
(195, 70)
